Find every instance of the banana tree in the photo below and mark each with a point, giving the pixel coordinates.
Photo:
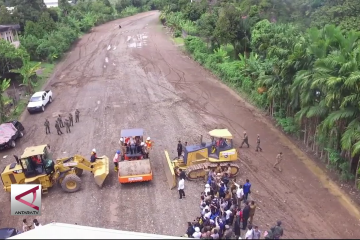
(5, 84)
(27, 71)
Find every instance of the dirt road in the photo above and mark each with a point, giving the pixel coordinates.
(136, 77)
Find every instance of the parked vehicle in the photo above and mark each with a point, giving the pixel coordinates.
(8, 232)
(39, 100)
(9, 132)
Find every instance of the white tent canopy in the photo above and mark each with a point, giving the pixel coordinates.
(73, 231)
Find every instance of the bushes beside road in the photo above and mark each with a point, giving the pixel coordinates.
(306, 78)
(47, 33)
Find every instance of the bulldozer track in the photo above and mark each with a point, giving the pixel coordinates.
(195, 172)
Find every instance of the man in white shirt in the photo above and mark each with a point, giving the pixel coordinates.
(205, 208)
(207, 214)
(239, 193)
(181, 188)
(197, 233)
(250, 233)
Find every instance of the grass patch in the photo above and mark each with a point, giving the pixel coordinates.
(179, 41)
(47, 70)
(18, 110)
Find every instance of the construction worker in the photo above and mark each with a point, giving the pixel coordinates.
(60, 121)
(93, 157)
(279, 158)
(57, 126)
(245, 140)
(67, 125)
(77, 115)
(179, 149)
(143, 150)
(71, 119)
(258, 144)
(116, 160)
(47, 126)
(148, 143)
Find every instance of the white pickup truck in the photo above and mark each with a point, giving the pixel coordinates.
(39, 100)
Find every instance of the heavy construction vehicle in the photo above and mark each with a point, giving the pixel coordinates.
(135, 166)
(36, 166)
(199, 157)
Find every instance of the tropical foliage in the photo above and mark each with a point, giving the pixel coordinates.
(306, 74)
(47, 33)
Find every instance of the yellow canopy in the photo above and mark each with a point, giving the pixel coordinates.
(221, 133)
(32, 151)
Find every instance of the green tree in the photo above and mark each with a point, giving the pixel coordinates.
(28, 10)
(28, 71)
(10, 57)
(34, 29)
(5, 16)
(232, 29)
(5, 84)
(46, 22)
(206, 25)
(65, 7)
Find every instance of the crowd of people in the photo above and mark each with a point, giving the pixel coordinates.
(226, 211)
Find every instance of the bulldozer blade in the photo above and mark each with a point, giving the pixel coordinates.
(101, 170)
(169, 171)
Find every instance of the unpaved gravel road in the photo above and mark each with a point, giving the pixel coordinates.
(135, 77)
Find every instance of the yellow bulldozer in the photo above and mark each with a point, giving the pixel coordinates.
(36, 166)
(196, 158)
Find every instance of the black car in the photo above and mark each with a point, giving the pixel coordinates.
(9, 132)
(8, 232)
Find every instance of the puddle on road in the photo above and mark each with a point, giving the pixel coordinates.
(137, 41)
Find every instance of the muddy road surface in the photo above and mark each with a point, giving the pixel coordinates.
(135, 77)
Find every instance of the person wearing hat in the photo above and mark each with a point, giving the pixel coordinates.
(93, 157)
(197, 233)
(116, 160)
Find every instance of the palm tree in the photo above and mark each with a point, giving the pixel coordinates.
(27, 71)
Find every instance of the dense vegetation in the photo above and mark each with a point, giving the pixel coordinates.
(288, 61)
(47, 33)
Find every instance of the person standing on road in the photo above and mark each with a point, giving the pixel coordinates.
(250, 233)
(116, 160)
(77, 115)
(278, 231)
(60, 121)
(258, 143)
(245, 140)
(182, 174)
(179, 149)
(246, 214)
(239, 194)
(57, 126)
(247, 189)
(47, 126)
(252, 211)
(181, 188)
(257, 233)
(71, 119)
(279, 159)
(67, 125)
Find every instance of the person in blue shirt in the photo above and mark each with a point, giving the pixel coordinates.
(222, 190)
(246, 189)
